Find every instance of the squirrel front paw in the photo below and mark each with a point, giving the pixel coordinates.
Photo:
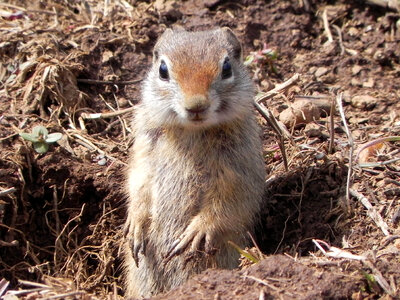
(135, 235)
(198, 234)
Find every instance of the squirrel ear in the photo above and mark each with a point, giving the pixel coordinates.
(233, 41)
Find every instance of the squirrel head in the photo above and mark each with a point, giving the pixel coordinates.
(197, 79)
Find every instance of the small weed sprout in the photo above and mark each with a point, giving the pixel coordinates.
(264, 56)
(40, 138)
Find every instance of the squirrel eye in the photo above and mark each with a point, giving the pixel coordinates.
(164, 75)
(226, 69)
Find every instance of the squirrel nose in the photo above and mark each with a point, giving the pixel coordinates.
(197, 109)
(197, 104)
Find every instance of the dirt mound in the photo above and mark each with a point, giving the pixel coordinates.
(275, 277)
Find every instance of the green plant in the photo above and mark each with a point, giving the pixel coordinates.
(40, 138)
(371, 282)
(245, 253)
(265, 56)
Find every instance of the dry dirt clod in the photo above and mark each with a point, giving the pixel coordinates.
(356, 69)
(313, 130)
(321, 71)
(300, 112)
(364, 101)
(369, 83)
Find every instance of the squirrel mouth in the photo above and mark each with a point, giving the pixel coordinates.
(196, 118)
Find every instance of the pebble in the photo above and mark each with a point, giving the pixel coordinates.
(312, 130)
(356, 69)
(364, 101)
(321, 71)
(369, 83)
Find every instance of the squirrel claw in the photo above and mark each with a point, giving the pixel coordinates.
(135, 248)
(177, 247)
(197, 239)
(136, 242)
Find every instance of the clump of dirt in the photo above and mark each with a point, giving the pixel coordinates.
(272, 278)
(76, 68)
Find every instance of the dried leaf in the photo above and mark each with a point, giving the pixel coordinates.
(368, 153)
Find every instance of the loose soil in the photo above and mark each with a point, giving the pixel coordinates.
(60, 224)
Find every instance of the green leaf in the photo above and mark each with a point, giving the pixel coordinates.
(40, 131)
(41, 147)
(249, 59)
(29, 137)
(371, 281)
(53, 137)
(244, 253)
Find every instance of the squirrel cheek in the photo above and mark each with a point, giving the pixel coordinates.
(164, 94)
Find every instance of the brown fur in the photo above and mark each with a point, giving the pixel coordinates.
(193, 186)
(195, 78)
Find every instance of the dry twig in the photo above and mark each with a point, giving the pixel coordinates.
(326, 26)
(372, 213)
(95, 81)
(339, 32)
(277, 128)
(331, 128)
(351, 145)
(268, 116)
(107, 114)
(7, 191)
(278, 89)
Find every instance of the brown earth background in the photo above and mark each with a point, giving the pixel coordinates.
(61, 212)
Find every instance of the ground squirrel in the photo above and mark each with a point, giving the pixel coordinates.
(196, 174)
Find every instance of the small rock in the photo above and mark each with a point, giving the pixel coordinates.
(122, 102)
(168, 8)
(312, 70)
(321, 71)
(300, 112)
(390, 192)
(267, 84)
(355, 82)
(353, 31)
(369, 83)
(346, 96)
(313, 130)
(379, 56)
(369, 51)
(330, 48)
(364, 101)
(106, 56)
(102, 161)
(369, 28)
(356, 69)
(211, 3)
(159, 5)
